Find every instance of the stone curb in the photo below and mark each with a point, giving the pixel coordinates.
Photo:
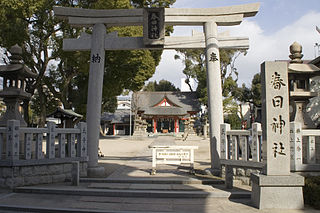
(152, 180)
(54, 210)
(126, 193)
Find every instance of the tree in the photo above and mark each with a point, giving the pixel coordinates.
(250, 95)
(234, 120)
(31, 24)
(150, 87)
(125, 70)
(256, 90)
(194, 61)
(163, 85)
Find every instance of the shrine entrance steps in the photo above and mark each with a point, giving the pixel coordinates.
(123, 195)
(131, 188)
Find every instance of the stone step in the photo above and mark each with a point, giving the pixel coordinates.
(143, 186)
(30, 209)
(155, 180)
(23, 202)
(213, 193)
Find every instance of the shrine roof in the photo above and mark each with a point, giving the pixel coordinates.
(182, 102)
(120, 116)
(165, 111)
(315, 61)
(64, 113)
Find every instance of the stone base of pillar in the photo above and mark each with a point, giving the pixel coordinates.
(277, 192)
(213, 172)
(193, 138)
(75, 173)
(96, 172)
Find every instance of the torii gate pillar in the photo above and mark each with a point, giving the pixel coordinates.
(209, 18)
(97, 58)
(214, 91)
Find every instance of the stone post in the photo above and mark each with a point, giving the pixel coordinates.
(311, 150)
(82, 140)
(13, 127)
(295, 145)
(75, 173)
(71, 140)
(224, 141)
(244, 147)
(229, 177)
(215, 109)
(275, 117)
(27, 146)
(276, 187)
(39, 139)
(235, 147)
(256, 146)
(205, 130)
(62, 146)
(50, 153)
(94, 98)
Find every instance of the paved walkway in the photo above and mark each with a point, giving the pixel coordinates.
(134, 156)
(126, 159)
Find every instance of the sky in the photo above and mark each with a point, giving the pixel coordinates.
(276, 26)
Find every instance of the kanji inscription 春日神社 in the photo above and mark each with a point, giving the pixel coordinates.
(275, 113)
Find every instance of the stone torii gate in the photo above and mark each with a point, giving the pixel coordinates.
(153, 21)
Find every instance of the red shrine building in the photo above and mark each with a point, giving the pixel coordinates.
(166, 112)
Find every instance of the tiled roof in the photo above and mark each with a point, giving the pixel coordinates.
(159, 110)
(64, 113)
(184, 102)
(119, 116)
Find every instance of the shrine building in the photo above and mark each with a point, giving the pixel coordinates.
(166, 112)
(67, 118)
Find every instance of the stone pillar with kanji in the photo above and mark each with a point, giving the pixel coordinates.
(276, 187)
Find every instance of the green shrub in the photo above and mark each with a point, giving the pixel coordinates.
(311, 192)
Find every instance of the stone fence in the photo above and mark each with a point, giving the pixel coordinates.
(31, 156)
(242, 150)
(242, 145)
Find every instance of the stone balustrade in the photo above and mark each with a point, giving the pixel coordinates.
(246, 145)
(40, 155)
(240, 144)
(305, 149)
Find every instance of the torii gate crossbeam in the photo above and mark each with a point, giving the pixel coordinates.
(99, 41)
(113, 42)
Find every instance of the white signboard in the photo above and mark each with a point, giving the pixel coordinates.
(173, 154)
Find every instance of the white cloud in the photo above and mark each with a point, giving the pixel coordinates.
(264, 46)
(275, 46)
(169, 69)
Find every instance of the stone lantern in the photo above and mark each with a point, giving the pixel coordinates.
(299, 77)
(14, 77)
